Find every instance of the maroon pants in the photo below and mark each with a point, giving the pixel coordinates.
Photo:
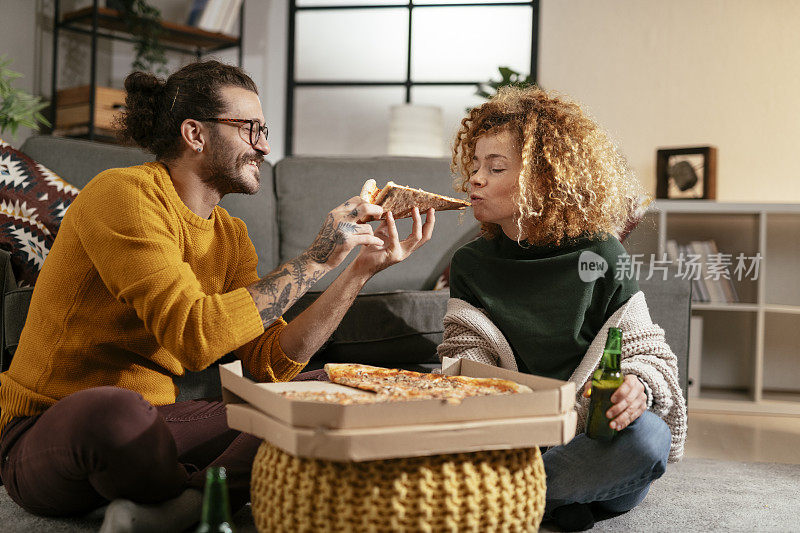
(106, 442)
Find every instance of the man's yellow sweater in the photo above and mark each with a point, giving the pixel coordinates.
(135, 290)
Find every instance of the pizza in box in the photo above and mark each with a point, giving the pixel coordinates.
(378, 384)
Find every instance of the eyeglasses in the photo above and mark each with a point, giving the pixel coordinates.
(250, 129)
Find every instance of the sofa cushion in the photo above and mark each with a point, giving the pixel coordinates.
(79, 161)
(307, 188)
(33, 201)
(398, 328)
(670, 303)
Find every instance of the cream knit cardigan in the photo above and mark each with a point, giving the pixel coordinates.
(470, 334)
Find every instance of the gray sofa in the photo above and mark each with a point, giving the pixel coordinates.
(396, 321)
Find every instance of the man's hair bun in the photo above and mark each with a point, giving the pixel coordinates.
(143, 103)
(144, 83)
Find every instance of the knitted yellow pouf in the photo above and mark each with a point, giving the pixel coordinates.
(501, 490)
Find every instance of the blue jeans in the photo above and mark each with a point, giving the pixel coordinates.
(615, 474)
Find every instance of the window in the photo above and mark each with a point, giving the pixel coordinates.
(351, 60)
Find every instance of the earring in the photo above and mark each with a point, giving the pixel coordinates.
(199, 149)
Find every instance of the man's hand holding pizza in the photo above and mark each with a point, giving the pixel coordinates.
(374, 258)
(341, 232)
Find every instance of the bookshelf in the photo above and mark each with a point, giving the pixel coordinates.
(101, 22)
(750, 349)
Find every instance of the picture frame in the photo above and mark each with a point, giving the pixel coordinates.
(686, 173)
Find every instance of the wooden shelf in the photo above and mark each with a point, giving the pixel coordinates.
(711, 306)
(786, 309)
(744, 406)
(82, 132)
(110, 19)
(769, 308)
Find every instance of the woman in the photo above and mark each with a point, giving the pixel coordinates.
(538, 290)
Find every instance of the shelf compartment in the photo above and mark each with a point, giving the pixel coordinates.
(781, 346)
(728, 351)
(73, 107)
(188, 36)
(783, 250)
(733, 234)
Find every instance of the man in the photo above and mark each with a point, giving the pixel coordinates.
(148, 278)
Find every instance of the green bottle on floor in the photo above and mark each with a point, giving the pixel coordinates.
(606, 379)
(216, 517)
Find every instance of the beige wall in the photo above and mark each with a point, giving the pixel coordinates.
(685, 73)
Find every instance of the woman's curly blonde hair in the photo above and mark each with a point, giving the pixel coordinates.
(573, 181)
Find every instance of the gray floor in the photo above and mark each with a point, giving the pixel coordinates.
(694, 495)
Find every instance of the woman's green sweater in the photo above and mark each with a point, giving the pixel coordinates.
(549, 301)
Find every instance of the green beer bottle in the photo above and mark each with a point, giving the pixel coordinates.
(216, 517)
(606, 379)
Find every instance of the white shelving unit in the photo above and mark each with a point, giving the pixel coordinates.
(750, 349)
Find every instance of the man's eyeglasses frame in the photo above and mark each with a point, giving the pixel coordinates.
(256, 129)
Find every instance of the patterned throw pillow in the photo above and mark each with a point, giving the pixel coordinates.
(33, 201)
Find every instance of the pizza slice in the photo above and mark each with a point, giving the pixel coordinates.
(401, 200)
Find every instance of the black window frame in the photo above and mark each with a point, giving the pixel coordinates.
(292, 83)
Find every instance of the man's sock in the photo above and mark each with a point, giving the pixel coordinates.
(574, 517)
(177, 514)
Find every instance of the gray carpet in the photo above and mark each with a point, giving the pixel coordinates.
(694, 495)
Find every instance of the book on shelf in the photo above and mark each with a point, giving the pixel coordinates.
(231, 16)
(195, 12)
(212, 15)
(707, 285)
(219, 16)
(715, 293)
(699, 285)
(724, 282)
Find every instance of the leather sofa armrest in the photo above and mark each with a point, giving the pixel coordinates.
(15, 309)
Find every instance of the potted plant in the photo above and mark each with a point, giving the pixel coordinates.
(144, 24)
(508, 76)
(17, 107)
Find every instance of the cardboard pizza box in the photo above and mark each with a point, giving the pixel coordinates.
(550, 397)
(413, 440)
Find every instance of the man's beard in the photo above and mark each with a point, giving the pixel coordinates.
(224, 172)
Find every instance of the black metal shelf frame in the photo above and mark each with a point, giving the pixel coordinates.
(95, 32)
(408, 83)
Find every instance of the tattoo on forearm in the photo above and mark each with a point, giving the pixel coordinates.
(328, 239)
(302, 280)
(274, 300)
(276, 307)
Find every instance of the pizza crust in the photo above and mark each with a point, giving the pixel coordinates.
(370, 191)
